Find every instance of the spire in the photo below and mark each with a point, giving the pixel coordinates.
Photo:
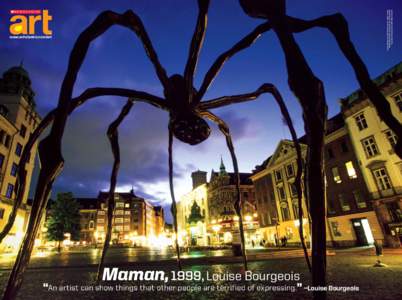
(21, 63)
(222, 168)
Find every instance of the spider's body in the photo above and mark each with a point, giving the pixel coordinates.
(185, 122)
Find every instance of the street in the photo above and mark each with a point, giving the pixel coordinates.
(347, 268)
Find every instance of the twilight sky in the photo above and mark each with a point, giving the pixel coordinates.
(118, 59)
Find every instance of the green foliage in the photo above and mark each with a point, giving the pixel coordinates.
(64, 218)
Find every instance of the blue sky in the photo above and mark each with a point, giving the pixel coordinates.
(118, 59)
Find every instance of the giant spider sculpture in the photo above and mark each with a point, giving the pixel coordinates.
(187, 110)
(182, 101)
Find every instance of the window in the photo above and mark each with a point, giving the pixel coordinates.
(330, 153)
(382, 179)
(2, 210)
(127, 205)
(281, 193)
(370, 147)
(335, 175)
(398, 100)
(344, 202)
(23, 131)
(285, 211)
(1, 161)
(91, 225)
(14, 169)
(335, 228)
(2, 135)
(394, 211)
(278, 175)
(101, 221)
(118, 220)
(101, 212)
(119, 212)
(361, 121)
(360, 202)
(295, 210)
(127, 212)
(10, 189)
(330, 207)
(344, 147)
(351, 170)
(119, 204)
(391, 137)
(119, 228)
(290, 170)
(126, 228)
(293, 190)
(7, 141)
(18, 149)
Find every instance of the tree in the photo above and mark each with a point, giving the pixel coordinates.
(64, 218)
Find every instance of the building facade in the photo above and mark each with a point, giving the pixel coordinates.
(373, 144)
(18, 119)
(206, 215)
(351, 220)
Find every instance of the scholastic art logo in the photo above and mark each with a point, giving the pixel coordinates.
(30, 24)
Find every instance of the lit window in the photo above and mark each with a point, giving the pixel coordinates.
(278, 175)
(127, 228)
(127, 205)
(360, 202)
(10, 189)
(335, 175)
(91, 225)
(127, 212)
(391, 137)
(370, 146)
(361, 121)
(344, 202)
(398, 100)
(351, 170)
(119, 212)
(101, 221)
(101, 212)
(118, 220)
(119, 228)
(382, 179)
(119, 204)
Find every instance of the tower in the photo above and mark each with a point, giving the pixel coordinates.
(199, 178)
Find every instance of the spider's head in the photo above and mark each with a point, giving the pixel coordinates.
(264, 9)
(189, 128)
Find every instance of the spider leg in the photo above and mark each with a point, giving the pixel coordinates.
(229, 100)
(270, 88)
(48, 119)
(238, 203)
(196, 44)
(338, 26)
(113, 136)
(174, 206)
(244, 43)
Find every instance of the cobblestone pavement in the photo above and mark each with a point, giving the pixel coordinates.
(344, 269)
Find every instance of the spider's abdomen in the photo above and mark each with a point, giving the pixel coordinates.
(189, 128)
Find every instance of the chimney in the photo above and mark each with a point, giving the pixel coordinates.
(199, 178)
